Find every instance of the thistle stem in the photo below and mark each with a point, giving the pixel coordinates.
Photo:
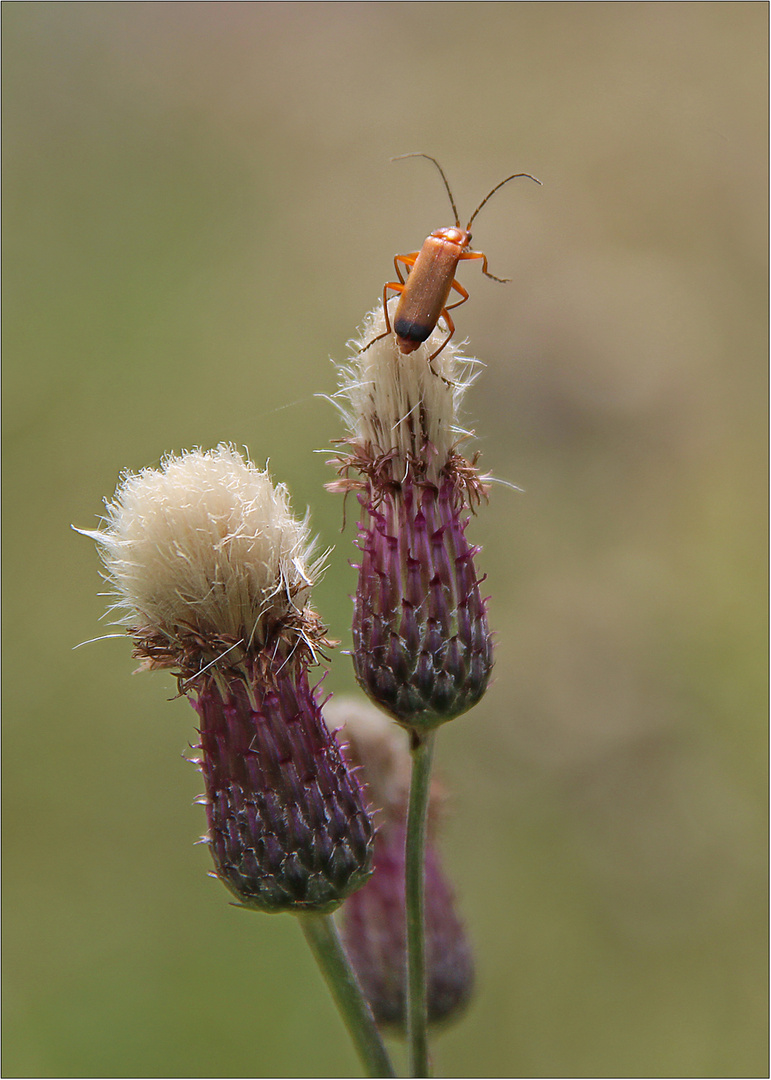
(415, 873)
(321, 934)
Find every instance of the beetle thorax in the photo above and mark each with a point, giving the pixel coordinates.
(451, 233)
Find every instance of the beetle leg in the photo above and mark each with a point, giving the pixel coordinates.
(445, 314)
(448, 320)
(397, 288)
(451, 330)
(463, 296)
(481, 255)
(409, 262)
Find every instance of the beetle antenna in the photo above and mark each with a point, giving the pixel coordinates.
(514, 177)
(447, 186)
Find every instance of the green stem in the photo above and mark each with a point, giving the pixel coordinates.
(321, 934)
(417, 1020)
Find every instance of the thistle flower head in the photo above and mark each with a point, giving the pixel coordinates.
(402, 412)
(212, 575)
(203, 553)
(422, 648)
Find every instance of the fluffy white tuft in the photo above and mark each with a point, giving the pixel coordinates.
(205, 543)
(399, 403)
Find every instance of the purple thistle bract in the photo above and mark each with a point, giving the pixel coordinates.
(422, 648)
(287, 830)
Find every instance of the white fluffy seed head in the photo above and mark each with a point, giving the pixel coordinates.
(206, 543)
(400, 404)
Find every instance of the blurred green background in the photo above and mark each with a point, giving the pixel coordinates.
(199, 210)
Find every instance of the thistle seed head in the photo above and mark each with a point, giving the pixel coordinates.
(211, 574)
(402, 413)
(204, 558)
(422, 647)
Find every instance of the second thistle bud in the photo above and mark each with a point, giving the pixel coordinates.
(422, 646)
(372, 920)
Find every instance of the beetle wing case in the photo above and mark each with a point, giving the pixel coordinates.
(426, 291)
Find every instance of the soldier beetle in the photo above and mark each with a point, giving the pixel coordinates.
(431, 275)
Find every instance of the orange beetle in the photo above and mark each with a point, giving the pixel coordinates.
(431, 276)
